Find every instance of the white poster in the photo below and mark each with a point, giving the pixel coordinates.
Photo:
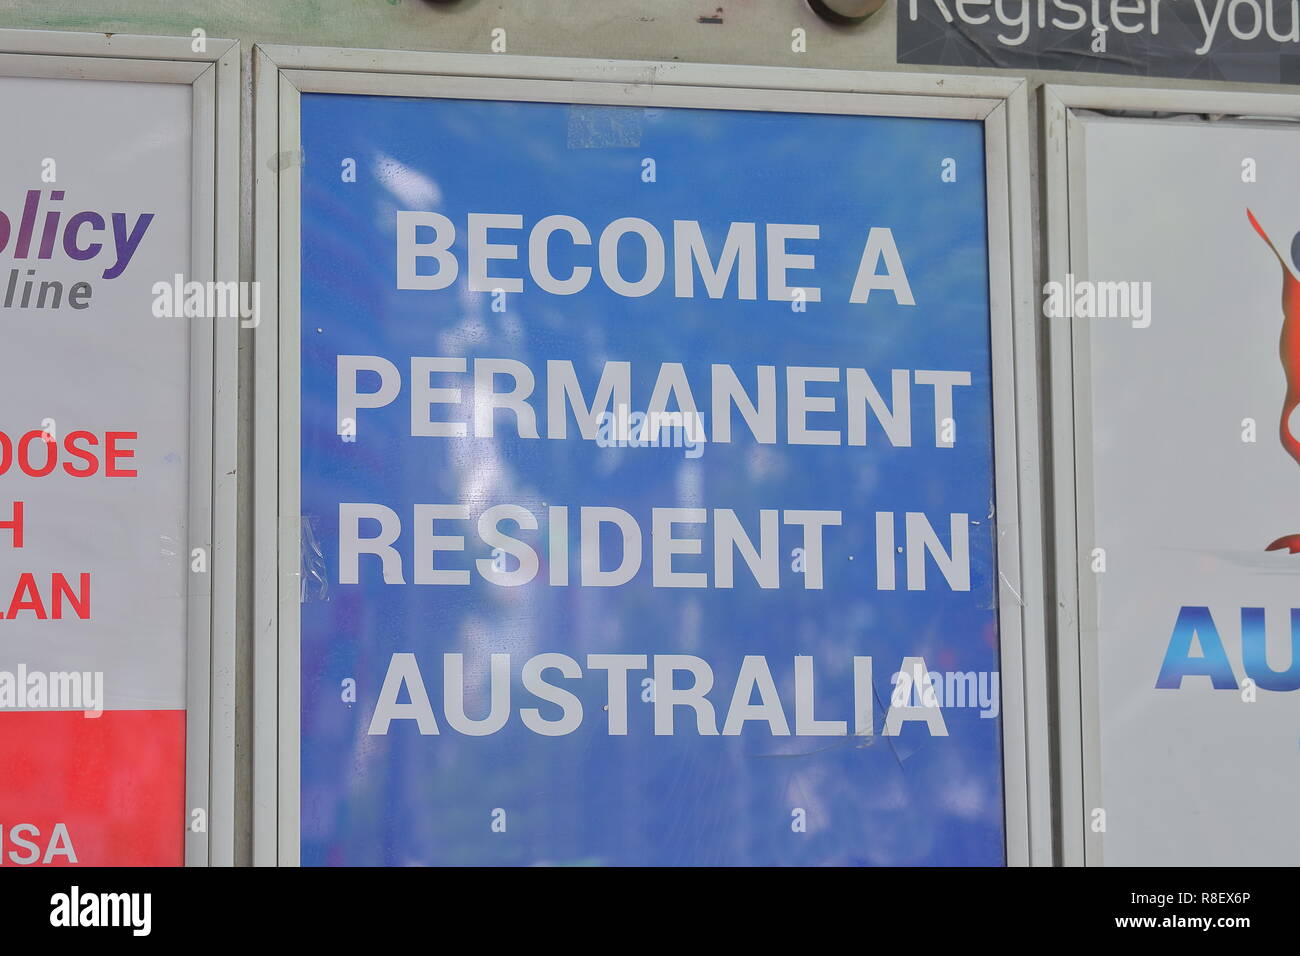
(1189, 486)
(95, 209)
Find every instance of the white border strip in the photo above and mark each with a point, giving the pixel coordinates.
(635, 72)
(1074, 592)
(106, 47)
(266, 452)
(210, 641)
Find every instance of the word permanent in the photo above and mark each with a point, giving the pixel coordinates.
(813, 399)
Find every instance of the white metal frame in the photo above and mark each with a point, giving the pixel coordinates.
(213, 75)
(1069, 404)
(282, 73)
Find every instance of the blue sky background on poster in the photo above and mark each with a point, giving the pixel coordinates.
(716, 168)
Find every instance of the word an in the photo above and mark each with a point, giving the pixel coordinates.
(26, 596)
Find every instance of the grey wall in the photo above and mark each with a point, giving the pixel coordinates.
(752, 32)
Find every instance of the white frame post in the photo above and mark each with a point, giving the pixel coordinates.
(1075, 593)
(282, 73)
(213, 75)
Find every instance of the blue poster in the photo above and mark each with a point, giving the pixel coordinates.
(646, 488)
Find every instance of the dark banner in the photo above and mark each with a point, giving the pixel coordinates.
(1255, 41)
(99, 908)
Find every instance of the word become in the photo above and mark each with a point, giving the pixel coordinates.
(642, 272)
